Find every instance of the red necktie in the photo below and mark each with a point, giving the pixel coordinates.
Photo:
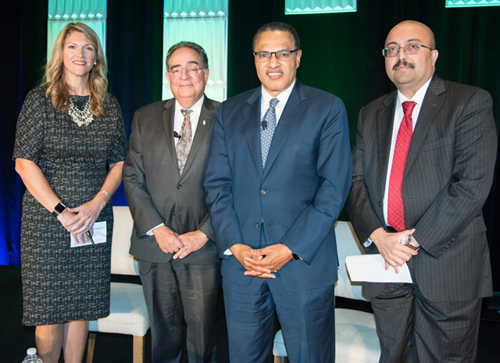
(395, 210)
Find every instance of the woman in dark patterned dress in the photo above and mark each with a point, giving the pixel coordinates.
(69, 151)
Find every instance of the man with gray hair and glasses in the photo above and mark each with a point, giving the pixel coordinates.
(423, 167)
(173, 237)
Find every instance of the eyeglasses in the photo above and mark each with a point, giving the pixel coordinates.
(410, 48)
(283, 55)
(190, 71)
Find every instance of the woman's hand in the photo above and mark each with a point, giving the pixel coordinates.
(65, 218)
(80, 219)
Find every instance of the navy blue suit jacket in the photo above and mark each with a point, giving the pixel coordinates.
(299, 194)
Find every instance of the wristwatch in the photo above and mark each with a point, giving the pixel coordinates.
(367, 243)
(58, 209)
(406, 241)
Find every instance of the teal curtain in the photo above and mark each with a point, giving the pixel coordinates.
(470, 3)
(300, 7)
(89, 12)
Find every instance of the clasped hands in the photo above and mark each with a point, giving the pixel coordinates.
(80, 219)
(262, 262)
(182, 245)
(391, 249)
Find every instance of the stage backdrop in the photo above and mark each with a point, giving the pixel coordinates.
(341, 54)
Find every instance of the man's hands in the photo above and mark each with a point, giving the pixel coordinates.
(167, 240)
(192, 241)
(182, 245)
(262, 262)
(389, 245)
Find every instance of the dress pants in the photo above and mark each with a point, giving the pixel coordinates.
(414, 329)
(182, 301)
(307, 320)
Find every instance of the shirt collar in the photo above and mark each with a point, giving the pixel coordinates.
(418, 97)
(196, 108)
(282, 97)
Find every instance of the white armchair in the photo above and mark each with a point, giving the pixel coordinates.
(128, 312)
(356, 338)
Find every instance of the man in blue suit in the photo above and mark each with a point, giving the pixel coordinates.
(277, 177)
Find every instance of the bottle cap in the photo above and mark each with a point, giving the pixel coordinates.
(31, 351)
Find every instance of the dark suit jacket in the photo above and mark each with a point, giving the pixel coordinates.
(447, 179)
(299, 194)
(155, 191)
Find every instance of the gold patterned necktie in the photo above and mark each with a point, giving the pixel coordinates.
(184, 144)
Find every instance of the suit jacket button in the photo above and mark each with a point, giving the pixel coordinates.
(179, 186)
(257, 225)
(381, 204)
(263, 192)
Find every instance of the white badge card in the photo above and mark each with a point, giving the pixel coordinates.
(99, 235)
(371, 268)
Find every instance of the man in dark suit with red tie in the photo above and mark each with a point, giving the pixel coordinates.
(423, 167)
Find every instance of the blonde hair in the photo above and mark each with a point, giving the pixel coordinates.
(54, 72)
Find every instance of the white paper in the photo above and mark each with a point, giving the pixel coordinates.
(371, 268)
(99, 235)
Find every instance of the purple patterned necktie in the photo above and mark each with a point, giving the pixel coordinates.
(184, 144)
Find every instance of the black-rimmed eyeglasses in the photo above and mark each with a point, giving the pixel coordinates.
(284, 54)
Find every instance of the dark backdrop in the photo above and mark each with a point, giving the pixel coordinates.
(341, 54)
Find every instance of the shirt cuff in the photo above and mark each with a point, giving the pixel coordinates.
(150, 232)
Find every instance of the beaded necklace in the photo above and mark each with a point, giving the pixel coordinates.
(81, 117)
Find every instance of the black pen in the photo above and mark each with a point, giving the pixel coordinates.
(90, 238)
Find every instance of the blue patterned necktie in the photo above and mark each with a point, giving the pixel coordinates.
(184, 144)
(267, 132)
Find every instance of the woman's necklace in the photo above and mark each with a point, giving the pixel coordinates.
(80, 117)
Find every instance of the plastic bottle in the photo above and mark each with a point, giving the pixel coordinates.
(32, 357)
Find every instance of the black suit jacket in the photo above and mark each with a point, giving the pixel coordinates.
(155, 191)
(447, 179)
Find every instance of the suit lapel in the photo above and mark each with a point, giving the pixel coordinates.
(168, 126)
(385, 125)
(204, 122)
(250, 114)
(288, 118)
(430, 106)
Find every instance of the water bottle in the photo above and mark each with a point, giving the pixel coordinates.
(32, 357)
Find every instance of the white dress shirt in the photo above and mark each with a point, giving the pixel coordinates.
(418, 98)
(282, 98)
(194, 116)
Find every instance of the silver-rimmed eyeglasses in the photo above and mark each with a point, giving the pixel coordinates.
(190, 71)
(283, 55)
(410, 48)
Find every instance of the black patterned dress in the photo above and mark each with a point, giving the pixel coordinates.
(62, 284)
